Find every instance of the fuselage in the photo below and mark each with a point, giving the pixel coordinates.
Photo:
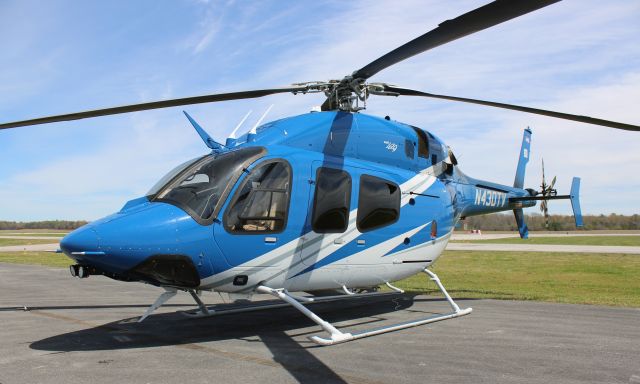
(312, 202)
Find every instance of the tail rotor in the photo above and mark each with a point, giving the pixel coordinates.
(546, 191)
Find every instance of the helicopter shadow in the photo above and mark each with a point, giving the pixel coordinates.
(175, 328)
(275, 328)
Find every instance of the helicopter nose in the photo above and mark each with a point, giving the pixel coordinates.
(156, 242)
(84, 239)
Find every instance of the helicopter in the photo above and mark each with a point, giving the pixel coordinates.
(332, 202)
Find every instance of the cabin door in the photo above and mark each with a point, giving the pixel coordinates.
(261, 220)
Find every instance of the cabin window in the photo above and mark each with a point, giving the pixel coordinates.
(409, 148)
(423, 143)
(332, 201)
(378, 203)
(262, 200)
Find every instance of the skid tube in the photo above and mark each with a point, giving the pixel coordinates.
(227, 309)
(336, 336)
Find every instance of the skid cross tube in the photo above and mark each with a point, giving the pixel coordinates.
(203, 308)
(336, 336)
(168, 293)
(435, 279)
(394, 288)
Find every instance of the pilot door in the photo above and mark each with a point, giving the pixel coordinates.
(260, 217)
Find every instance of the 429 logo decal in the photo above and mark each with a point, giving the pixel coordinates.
(390, 145)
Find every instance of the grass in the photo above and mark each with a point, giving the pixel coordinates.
(20, 234)
(34, 232)
(48, 259)
(604, 279)
(633, 241)
(8, 242)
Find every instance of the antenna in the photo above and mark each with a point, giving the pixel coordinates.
(253, 130)
(233, 133)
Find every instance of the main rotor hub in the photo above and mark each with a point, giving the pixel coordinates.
(346, 94)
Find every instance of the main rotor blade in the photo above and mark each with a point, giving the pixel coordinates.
(544, 112)
(481, 18)
(154, 105)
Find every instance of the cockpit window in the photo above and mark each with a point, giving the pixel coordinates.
(201, 187)
(169, 176)
(261, 202)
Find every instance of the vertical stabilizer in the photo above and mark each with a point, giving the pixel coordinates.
(524, 158)
(522, 226)
(574, 195)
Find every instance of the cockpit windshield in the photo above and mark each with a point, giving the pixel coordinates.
(201, 186)
(169, 176)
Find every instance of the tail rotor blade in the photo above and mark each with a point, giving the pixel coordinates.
(546, 217)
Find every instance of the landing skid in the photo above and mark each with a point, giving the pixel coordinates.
(298, 302)
(336, 336)
(226, 309)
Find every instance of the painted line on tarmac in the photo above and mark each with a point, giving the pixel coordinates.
(30, 247)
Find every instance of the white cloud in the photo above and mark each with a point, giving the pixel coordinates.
(576, 57)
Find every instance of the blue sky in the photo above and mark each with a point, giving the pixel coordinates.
(61, 56)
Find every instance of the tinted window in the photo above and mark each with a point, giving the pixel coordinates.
(170, 175)
(378, 203)
(202, 187)
(423, 143)
(332, 200)
(437, 154)
(262, 201)
(409, 148)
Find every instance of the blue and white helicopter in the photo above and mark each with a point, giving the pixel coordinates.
(331, 200)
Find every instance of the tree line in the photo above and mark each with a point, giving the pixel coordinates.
(493, 222)
(48, 224)
(536, 222)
